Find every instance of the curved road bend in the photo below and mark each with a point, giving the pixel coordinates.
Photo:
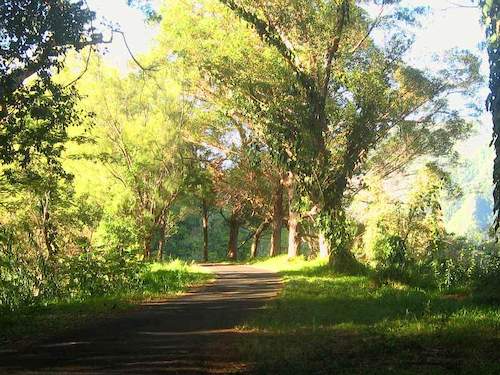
(192, 334)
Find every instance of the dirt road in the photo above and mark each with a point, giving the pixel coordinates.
(192, 334)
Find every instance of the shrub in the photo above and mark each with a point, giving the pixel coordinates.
(458, 266)
(97, 274)
(486, 280)
(391, 258)
(26, 281)
(20, 280)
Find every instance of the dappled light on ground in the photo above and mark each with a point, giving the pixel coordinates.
(325, 324)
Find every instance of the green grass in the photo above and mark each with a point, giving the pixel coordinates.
(167, 279)
(328, 324)
(159, 280)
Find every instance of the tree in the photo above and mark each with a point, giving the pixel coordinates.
(138, 140)
(34, 110)
(201, 179)
(491, 18)
(42, 211)
(349, 95)
(318, 93)
(243, 189)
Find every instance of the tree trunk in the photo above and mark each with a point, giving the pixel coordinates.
(324, 251)
(342, 260)
(232, 246)
(160, 247)
(256, 239)
(161, 226)
(49, 232)
(147, 247)
(205, 230)
(293, 234)
(293, 224)
(277, 221)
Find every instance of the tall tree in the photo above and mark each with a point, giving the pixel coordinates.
(346, 99)
(34, 110)
(317, 92)
(137, 138)
(491, 18)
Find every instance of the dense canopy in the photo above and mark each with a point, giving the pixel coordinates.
(249, 129)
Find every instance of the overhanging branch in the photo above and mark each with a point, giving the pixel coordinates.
(269, 34)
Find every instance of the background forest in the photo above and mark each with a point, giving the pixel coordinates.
(250, 129)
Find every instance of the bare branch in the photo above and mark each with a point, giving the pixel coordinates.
(130, 52)
(85, 69)
(370, 29)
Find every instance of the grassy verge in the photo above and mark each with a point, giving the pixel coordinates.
(328, 324)
(159, 280)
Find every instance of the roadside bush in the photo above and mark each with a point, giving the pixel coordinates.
(20, 280)
(451, 271)
(486, 280)
(391, 258)
(391, 252)
(29, 280)
(33, 280)
(167, 278)
(459, 265)
(95, 274)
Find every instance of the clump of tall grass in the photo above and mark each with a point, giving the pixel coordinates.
(35, 281)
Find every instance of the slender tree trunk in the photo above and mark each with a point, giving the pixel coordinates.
(147, 247)
(161, 240)
(49, 232)
(293, 224)
(256, 239)
(205, 230)
(232, 246)
(293, 234)
(160, 247)
(324, 251)
(277, 221)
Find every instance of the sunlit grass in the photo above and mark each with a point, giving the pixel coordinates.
(283, 264)
(323, 323)
(167, 279)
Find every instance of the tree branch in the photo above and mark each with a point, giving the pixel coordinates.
(343, 16)
(370, 29)
(269, 34)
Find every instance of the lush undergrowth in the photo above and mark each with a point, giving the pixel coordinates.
(155, 280)
(326, 324)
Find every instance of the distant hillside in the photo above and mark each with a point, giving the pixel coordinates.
(471, 215)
